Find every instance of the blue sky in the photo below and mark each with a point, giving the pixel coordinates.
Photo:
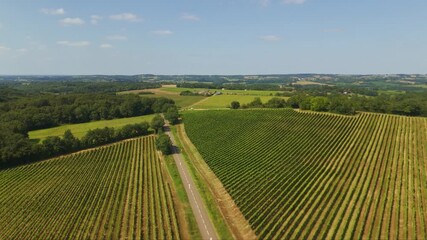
(212, 36)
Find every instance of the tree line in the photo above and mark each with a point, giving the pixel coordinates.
(408, 104)
(26, 114)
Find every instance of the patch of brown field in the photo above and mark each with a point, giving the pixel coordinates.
(239, 226)
(303, 83)
(154, 90)
(169, 86)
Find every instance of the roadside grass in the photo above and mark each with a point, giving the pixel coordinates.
(80, 129)
(212, 207)
(182, 197)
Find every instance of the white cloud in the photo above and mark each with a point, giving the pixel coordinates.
(47, 11)
(270, 38)
(106, 45)
(72, 21)
(4, 49)
(22, 50)
(130, 17)
(162, 32)
(293, 1)
(74, 44)
(117, 38)
(189, 17)
(94, 19)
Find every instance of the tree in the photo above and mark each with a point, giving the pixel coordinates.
(53, 145)
(276, 103)
(164, 144)
(71, 143)
(234, 105)
(319, 104)
(172, 115)
(305, 104)
(98, 137)
(256, 103)
(157, 123)
(133, 130)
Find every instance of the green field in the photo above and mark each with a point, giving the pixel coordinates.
(298, 175)
(79, 130)
(223, 101)
(180, 101)
(121, 191)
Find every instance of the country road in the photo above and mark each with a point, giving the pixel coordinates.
(206, 227)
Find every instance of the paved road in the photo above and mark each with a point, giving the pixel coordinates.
(203, 221)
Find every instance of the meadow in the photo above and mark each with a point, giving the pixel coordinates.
(180, 101)
(121, 191)
(223, 101)
(306, 175)
(80, 129)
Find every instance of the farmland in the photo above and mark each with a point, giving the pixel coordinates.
(213, 102)
(121, 191)
(223, 101)
(80, 129)
(305, 175)
(180, 101)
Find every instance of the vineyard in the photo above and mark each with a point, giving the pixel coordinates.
(298, 175)
(116, 192)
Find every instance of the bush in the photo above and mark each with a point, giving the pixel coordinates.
(235, 105)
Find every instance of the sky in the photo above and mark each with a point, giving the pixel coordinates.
(74, 37)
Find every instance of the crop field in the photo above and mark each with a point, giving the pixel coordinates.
(80, 129)
(119, 191)
(305, 175)
(223, 101)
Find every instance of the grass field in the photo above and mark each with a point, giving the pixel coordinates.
(298, 175)
(79, 130)
(121, 191)
(223, 101)
(180, 101)
(201, 102)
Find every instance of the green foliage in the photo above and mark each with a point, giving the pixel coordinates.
(188, 93)
(98, 137)
(319, 104)
(234, 105)
(133, 130)
(157, 123)
(305, 103)
(276, 103)
(164, 144)
(172, 115)
(256, 103)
